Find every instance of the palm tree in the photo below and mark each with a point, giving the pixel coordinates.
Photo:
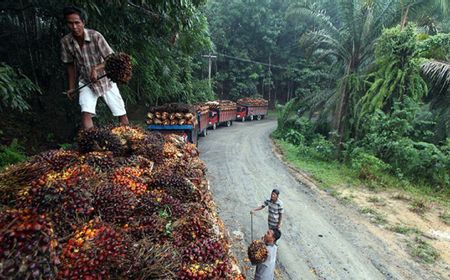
(347, 35)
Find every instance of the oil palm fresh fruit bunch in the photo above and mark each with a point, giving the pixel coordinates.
(116, 204)
(96, 251)
(28, 246)
(205, 259)
(191, 228)
(118, 67)
(159, 200)
(177, 186)
(99, 139)
(58, 159)
(73, 175)
(257, 252)
(149, 260)
(131, 178)
(99, 161)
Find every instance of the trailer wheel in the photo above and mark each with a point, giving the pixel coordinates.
(258, 117)
(214, 126)
(204, 133)
(251, 117)
(228, 123)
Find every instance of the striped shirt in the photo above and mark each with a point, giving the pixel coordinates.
(275, 209)
(94, 52)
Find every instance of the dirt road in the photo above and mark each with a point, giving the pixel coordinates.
(321, 238)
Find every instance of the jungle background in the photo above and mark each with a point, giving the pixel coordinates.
(357, 82)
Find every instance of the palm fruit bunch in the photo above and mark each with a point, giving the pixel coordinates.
(130, 137)
(99, 139)
(151, 147)
(136, 161)
(159, 200)
(205, 259)
(65, 205)
(95, 251)
(99, 161)
(177, 186)
(247, 101)
(131, 178)
(148, 260)
(71, 176)
(57, 159)
(28, 246)
(15, 179)
(118, 67)
(155, 226)
(257, 252)
(172, 114)
(192, 228)
(115, 204)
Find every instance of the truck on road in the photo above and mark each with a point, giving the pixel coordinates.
(221, 112)
(251, 109)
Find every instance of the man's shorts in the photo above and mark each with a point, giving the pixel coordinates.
(88, 100)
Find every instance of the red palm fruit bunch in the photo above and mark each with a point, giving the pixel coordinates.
(151, 147)
(136, 161)
(57, 159)
(257, 252)
(191, 150)
(99, 161)
(159, 200)
(95, 251)
(66, 205)
(15, 179)
(170, 150)
(116, 204)
(118, 67)
(130, 177)
(205, 259)
(73, 175)
(177, 186)
(99, 139)
(193, 169)
(191, 228)
(129, 136)
(154, 226)
(148, 260)
(28, 246)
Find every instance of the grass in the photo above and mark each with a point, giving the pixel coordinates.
(445, 217)
(330, 174)
(376, 200)
(405, 230)
(374, 216)
(423, 251)
(419, 206)
(327, 174)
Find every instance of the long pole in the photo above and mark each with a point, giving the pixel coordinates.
(209, 56)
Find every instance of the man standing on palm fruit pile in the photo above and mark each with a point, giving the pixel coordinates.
(275, 209)
(266, 269)
(84, 52)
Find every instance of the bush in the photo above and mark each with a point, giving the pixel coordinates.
(322, 148)
(294, 137)
(367, 165)
(11, 154)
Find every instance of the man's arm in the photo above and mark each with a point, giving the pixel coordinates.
(95, 69)
(71, 76)
(257, 209)
(279, 220)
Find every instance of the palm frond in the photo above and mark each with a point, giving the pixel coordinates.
(438, 74)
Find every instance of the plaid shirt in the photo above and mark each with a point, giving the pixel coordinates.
(94, 52)
(275, 209)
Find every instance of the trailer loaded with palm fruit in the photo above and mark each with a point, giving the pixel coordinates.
(128, 204)
(251, 109)
(182, 119)
(221, 112)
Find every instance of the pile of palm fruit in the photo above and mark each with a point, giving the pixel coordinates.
(247, 101)
(172, 114)
(224, 105)
(128, 204)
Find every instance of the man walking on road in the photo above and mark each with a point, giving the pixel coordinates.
(275, 209)
(84, 52)
(266, 270)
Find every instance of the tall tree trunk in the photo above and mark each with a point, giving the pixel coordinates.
(405, 12)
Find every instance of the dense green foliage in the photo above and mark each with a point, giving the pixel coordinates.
(165, 39)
